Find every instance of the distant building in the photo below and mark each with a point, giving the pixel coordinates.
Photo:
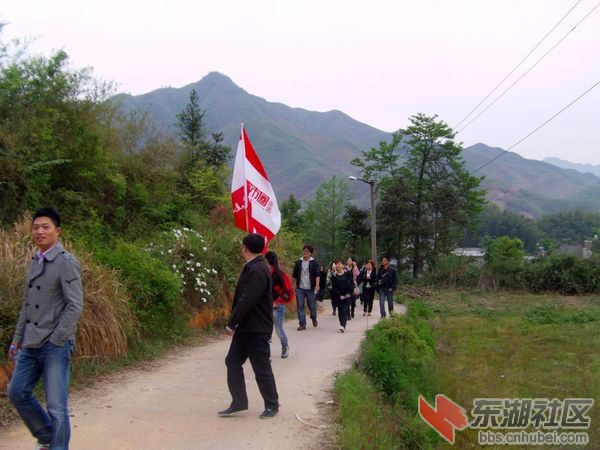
(475, 253)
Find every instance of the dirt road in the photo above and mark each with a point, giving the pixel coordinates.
(173, 404)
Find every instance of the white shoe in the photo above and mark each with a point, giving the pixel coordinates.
(342, 329)
(39, 446)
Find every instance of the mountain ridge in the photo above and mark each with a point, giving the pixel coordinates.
(300, 148)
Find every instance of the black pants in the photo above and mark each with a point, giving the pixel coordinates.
(253, 346)
(343, 311)
(368, 296)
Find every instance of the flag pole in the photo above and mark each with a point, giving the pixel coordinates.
(245, 181)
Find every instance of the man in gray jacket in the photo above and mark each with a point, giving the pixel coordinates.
(45, 334)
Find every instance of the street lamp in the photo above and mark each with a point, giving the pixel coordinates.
(371, 183)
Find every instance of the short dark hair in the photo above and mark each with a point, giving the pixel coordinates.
(48, 212)
(310, 248)
(254, 242)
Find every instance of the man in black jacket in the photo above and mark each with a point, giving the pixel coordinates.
(387, 280)
(251, 325)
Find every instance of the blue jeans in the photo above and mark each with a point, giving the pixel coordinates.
(310, 296)
(279, 315)
(386, 294)
(53, 364)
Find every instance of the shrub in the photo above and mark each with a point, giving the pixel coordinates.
(398, 355)
(154, 289)
(554, 314)
(566, 274)
(453, 270)
(503, 261)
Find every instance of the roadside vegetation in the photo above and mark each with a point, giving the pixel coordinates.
(486, 344)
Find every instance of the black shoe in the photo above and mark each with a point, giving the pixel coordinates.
(268, 413)
(333, 313)
(315, 323)
(229, 411)
(302, 327)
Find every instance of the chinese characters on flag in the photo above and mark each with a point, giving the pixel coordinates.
(254, 204)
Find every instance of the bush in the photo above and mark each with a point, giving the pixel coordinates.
(154, 289)
(566, 274)
(453, 270)
(398, 355)
(503, 261)
(554, 314)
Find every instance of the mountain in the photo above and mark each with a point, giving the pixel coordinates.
(300, 149)
(531, 187)
(583, 168)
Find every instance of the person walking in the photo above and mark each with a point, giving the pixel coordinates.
(342, 287)
(44, 337)
(386, 284)
(334, 301)
(306, 276)
(368, 278)
(251, 326)
(322, 283)
(280, 297)
(353, 270)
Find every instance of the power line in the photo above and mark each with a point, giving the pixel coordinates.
(518, 65)
(528, 70)
(534, 131)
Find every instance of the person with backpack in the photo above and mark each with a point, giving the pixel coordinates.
(282, 294)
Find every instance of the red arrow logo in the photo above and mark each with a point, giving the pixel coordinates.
(446, 416)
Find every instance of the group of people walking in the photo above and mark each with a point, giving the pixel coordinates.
(348, 284)
(44, 338)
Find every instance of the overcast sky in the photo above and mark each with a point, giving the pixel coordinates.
(379, 61)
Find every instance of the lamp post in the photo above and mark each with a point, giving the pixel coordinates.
(371, 183)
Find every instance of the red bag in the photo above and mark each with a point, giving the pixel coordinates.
(287, 293)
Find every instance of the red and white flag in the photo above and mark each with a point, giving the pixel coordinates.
(254, 204)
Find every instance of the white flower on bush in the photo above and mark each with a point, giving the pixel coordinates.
(187, 265)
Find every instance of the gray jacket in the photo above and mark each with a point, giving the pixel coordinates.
(53, 300)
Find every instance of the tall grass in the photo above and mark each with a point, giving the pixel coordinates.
(106, 323)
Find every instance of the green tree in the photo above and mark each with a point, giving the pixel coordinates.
(291, 216)
(52, 149)
(383, 162)
(494, 222)
(432, 197)
(191, 127)
(325, 226)
(202, 167)
(569, 227)
(194, 137)
(504, 260)
(358, 232)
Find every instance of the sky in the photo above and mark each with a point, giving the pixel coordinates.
(379, 61)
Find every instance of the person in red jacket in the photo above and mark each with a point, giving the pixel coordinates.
(251, 326)
(281, 296)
